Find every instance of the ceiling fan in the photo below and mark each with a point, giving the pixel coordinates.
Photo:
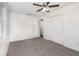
(45, 6)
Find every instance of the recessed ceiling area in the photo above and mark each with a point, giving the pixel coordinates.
(29, 9)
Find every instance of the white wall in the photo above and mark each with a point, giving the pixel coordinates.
(23, 27)
(53, 28)
(63, 27)
(4, 39)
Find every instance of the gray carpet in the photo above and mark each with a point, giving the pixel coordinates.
(39, 47)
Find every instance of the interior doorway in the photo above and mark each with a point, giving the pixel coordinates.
(41, 27)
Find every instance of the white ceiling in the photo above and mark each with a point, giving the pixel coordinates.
(30, 9)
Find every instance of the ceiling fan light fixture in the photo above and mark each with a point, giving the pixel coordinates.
(47, 9)
(44, 9)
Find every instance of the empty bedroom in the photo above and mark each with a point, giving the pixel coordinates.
(39, 28)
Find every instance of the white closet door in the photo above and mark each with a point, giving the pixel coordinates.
(71, 26)
(1, 22)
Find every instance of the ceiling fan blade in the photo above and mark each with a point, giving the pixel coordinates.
(37, 5)
(39, 10)
(54, 5)
(47, 3)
